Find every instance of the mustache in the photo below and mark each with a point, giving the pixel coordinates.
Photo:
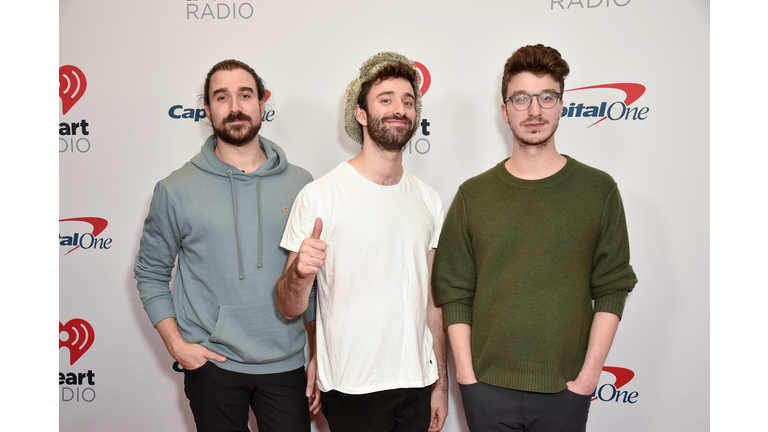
(535, 120)
(397, 117)
(236, 116)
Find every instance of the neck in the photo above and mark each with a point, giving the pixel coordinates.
(246, 158)
(534, 162)
(377, 165)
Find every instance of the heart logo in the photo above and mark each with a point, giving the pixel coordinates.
(72, 85)
(79, 338)
(425, 79)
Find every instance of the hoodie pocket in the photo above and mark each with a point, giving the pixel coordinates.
(256, 333)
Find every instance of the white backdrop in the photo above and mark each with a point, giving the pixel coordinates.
(144, 64)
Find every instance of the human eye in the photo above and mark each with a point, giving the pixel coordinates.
(546, 97)
(521, 98)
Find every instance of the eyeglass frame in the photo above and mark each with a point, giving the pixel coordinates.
(509, 99)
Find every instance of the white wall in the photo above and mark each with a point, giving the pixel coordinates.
(141, 58)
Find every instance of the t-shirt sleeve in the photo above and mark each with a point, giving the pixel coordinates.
(301, 221)
(438, 215)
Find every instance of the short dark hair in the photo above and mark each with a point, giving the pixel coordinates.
(230, 65)
(539, 60)
(390, 71)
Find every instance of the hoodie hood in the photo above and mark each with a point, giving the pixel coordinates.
(276, 162)
(207, 161)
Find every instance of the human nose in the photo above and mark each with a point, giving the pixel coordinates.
(234, 105)
(535, 108)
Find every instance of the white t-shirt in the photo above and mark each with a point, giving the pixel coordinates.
(372, 332)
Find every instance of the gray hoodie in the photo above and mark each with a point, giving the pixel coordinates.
(225, 227)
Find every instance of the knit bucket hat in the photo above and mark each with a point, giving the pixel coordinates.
(368, 71)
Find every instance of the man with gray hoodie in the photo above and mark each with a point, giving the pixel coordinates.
(222, 214)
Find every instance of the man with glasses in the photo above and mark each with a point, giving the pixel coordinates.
(533, 268)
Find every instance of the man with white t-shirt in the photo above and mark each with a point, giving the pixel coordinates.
(367, 231)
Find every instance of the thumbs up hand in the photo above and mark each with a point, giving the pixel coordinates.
(311, 253)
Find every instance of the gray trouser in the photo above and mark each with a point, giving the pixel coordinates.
(491, 408)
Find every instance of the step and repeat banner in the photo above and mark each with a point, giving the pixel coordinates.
(636, 105)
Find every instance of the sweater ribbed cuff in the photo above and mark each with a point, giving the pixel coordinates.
(457, 313)
(613, 303)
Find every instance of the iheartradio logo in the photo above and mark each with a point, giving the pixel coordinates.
(425, 79)
(77, 335)
(72, 85)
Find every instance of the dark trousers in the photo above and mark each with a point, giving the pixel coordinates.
(491, 408)
(402, 410)
(220, 399)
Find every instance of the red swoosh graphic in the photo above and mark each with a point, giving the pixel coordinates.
(632, 91)
(622, 375)
(98, 225)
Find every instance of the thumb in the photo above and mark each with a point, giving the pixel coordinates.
(318, 228)
(216, 356)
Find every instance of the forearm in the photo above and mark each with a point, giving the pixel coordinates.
(601, 335)
(311, 331)
(172, 338)
(292, 290)
(460, 336)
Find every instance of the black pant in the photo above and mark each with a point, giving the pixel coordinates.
(220, 399)
(403, 410)
(490, 408)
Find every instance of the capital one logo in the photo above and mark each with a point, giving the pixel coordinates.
(611, 391)
(76, 335)
(88, 239)
(602, 103)
(72, 85)
(197, 114)
(425, 79)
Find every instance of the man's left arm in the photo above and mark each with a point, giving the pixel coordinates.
(436, 327)
(612, 278)
(601, 334)
(312, 392)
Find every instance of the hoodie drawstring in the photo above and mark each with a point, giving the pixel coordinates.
(237, 235)
(258, 202)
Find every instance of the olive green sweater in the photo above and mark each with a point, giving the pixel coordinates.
(521, 261)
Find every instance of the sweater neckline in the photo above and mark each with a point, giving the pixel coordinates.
(545, 182)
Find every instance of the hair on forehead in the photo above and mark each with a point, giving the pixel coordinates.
(539, 60)
(231, 65)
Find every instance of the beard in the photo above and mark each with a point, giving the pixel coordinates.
(390, 138)
(239, 134)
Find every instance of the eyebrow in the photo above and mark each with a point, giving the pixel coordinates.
(392, 93)
(526, 92)
(225, 90)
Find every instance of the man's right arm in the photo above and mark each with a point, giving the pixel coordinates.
(153, 268)
(190, 356)
(295, 284)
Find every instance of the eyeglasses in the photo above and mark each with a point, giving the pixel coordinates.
(522, 101)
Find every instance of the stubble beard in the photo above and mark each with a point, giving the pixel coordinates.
(390, 138)
(537, 140)
(239, 134)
